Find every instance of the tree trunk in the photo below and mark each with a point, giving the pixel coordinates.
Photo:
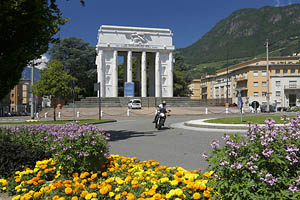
(54, 108)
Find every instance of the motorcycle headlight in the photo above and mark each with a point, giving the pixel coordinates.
(162, 114)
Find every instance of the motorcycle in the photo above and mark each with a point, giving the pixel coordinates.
(160, 122)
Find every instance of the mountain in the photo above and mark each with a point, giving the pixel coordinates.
(244, 33)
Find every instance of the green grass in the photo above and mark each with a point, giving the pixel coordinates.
(85, 121)
(246, 120)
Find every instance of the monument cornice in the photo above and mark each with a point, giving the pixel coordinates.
(135, 47)
(130, 30)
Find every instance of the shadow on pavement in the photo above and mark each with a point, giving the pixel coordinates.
(125, 134)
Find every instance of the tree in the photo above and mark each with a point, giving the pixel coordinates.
(78, 58)
(55, 82)
(27, 27)
(180, 87)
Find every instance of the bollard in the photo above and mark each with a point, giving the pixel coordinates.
(101, 113)
(59, 115)
(206, 111)
(128, 112)
(243, 110)
(37, 115)
(226, 111)
(46, 113)
(78, 114)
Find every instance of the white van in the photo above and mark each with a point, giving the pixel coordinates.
(135, 104)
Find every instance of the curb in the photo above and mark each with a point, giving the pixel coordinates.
(110, 121)
(201, 124)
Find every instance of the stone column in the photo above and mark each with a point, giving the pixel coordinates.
(144, 75)
(170, 74)
(100, 70)
(138, 75)
(129, 66)
(157, 75)
(125, 69)
(115, 74)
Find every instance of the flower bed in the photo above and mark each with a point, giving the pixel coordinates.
(263, 164)
(121, 178)
(77, 147)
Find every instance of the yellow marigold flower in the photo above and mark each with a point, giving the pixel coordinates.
(196, 195)
(174, 182)
(68, 190)
(157, 196)
(94, 176)
(62, 198)
(206, 193)
(119, 180)
(104, 190)
(94, 194)
(37, 194)
(88, 196)
(93, 186)
(111, 194)
(118, 196)
(178, 192)
(104, 174)
(84, 193)
(16, 197)
(74, 198)
(56, 197)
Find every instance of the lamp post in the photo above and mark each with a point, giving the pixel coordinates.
(268, 94)
(32, 97)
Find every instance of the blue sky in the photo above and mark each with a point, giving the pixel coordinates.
(188, 19)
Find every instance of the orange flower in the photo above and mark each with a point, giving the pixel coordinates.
(124, 193)
(75, 175)
(37, 195)
(104, 174)
(74, 198)
(93, 186)
(206, 193)
(55, 197)
(68, 190)
(35, 183)
(104, 190)
(84, 193)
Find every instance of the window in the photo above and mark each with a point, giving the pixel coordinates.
(264, 83)
(12, 95)
(255, 94)
(264, 73)
(292, 84)
(277, 93)
(277, 83)
(292, 71)
(255, 84)
(255, 73)
(277, 71)
(285, 71)
(264, 94)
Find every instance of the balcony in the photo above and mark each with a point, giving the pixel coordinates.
(242, 88)
(203, 86)
(241, 78)
(292, 87)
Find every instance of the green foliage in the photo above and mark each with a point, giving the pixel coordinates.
(244, 32)
(14, 157)
(55, 82)
(262, 164)
(27, 27)
(78, 58)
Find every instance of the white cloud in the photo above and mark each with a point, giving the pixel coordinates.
(41, 63)
(277, 3)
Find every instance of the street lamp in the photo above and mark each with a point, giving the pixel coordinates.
(268, 94)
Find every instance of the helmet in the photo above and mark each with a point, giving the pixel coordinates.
(164, 102)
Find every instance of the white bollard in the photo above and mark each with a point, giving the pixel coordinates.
(101, 113)
(206, 111)
(243, 110)
(59, 115)
(78, 114)
(46, 113)
(128, 112)
(37, 115)
(226, 111)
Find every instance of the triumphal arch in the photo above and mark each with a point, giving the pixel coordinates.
(151, 49)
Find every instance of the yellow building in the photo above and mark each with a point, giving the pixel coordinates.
(250, 78)
(195, 88)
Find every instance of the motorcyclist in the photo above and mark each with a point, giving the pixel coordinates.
(163, 108)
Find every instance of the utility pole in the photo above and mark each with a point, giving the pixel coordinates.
(268, 91)
(227, 78)
(32, 97)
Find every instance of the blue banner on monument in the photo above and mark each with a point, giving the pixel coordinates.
(129, 89)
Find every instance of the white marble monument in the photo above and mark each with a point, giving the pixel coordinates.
(152, 48)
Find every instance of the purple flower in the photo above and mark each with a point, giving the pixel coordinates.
(293, 189)
(215, 144)
(204, 155)
(267, 152)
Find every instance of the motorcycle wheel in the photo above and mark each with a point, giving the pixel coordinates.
(159, 124)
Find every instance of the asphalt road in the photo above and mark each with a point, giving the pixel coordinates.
(174, 145)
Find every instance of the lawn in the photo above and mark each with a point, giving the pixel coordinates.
(85, 121)
(246, 119)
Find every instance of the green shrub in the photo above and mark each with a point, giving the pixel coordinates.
(263, 164)
(14, 157)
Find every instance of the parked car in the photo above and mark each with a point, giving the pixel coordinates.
(135, 104)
